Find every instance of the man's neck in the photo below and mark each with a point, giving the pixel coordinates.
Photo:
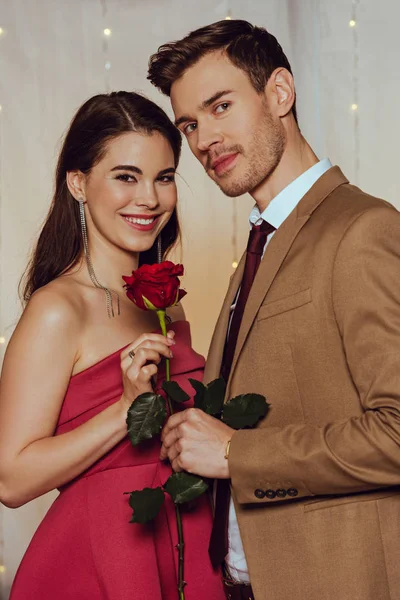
(297, 158)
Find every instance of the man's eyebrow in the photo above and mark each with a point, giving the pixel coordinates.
(127, 168)
(203, 106)
(213, 98)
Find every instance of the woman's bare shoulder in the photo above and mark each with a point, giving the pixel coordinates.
(57, 303)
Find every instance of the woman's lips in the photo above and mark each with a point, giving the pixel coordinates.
(141, 223)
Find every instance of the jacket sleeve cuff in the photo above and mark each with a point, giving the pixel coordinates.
(260, 472)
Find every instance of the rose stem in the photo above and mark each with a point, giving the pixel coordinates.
(181, 543)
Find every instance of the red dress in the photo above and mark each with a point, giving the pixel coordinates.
(85, 548)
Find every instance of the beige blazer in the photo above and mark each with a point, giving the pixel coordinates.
(317, 484)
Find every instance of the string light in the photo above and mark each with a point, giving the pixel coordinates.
(354, 105)
(107, 34)
(228, 16)
(234, 264)
(1, 31)
(2, 340)
(2, 569)
(1, 108)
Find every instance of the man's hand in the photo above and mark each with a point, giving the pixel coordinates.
(196, 442)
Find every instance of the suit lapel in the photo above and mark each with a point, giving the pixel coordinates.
(276, 252)
(279, 247)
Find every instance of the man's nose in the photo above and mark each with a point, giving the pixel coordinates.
(207, 136)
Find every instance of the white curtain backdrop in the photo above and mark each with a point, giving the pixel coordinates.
(54, 55)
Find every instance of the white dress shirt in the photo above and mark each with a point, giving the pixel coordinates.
(276, 213)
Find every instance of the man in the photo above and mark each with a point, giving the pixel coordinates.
(316, 486)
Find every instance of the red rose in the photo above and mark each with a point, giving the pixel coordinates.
(158, 284)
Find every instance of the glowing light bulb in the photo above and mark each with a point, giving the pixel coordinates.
(354, 106)
(107, 32)
(107, 65)
(2, 569)
(2, 340)
(234, 264)
(352, 23)
(1, 108)
(1, 31)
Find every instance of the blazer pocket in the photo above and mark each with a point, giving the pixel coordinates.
(284, 304)
(334, 501)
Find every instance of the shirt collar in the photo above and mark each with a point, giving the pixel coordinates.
(282, 205)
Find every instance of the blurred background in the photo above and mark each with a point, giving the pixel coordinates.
(54, 54)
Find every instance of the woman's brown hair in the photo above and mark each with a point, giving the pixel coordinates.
(97, 122)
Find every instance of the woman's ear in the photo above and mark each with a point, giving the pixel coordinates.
(76, 184)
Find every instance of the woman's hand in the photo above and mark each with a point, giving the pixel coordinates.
(139, 364)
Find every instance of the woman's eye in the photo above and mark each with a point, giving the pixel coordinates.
(125, 177)
(189, 128)
(166, 179)
(222, 107)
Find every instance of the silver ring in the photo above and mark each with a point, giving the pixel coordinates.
(131, 353)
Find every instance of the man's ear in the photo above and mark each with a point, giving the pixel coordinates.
(281, 92)
(76, 182)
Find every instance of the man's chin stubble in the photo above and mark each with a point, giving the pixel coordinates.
(234, 189)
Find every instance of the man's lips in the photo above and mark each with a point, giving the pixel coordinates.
(222, 163)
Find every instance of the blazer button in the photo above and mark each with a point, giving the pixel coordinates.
(260, 494)
(292, 492)
(281, 493)
(270, 494)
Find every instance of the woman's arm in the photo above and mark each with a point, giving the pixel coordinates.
(36, 373)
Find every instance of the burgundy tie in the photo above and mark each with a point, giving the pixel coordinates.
(218, 548)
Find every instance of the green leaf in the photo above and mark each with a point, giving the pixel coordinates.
(145, 418)
(146, 504)
(200, 390)
(244, 410)
(183, 487)
(175, 392)
(214, 396)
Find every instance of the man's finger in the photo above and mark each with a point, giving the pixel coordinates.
(175, 465)
(173, 453)
(169, 440)
(174, 421)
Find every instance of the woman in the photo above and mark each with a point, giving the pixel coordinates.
(67, 386)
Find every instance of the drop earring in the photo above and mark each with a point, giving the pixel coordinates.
(159, 249)
(108, 292)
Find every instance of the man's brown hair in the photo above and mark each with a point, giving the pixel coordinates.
(249, 48)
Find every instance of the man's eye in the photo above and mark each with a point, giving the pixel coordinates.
(189, 128)
(125, 177)
(222, 107)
